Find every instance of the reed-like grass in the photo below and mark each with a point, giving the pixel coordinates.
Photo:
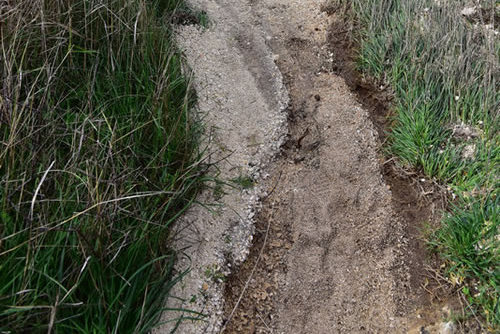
(443, 68)
(98, 156)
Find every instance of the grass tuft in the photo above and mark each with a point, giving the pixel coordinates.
(99, 155)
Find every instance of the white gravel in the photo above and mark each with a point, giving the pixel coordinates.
(243, 102)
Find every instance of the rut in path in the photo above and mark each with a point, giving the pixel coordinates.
(337, 257)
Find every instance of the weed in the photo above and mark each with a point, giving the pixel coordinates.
(244, 182)
(214, 273)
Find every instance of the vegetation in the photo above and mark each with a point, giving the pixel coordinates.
(98, 156)
(443, 66)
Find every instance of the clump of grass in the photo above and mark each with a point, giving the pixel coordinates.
(99, 155)
(469, 240)
(443, 70)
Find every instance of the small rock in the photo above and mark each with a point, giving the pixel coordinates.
(448, 328)
(469, 151)
(468, 11)
(464, 131)
(423, 330)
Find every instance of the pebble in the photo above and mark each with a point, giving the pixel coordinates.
(448, 328)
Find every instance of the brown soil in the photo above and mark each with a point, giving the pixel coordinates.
(338, 245)
(416, 200)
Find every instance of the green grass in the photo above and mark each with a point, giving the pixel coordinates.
(98, 156)
(443, 69)
(243, 181)
(470, 243)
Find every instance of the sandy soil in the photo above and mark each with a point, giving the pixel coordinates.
(334, 247)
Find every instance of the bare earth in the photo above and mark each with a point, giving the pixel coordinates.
(330, 254)
(344, 271)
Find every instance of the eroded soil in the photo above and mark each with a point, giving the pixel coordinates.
(338, 244)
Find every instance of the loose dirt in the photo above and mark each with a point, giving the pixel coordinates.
(336, 243)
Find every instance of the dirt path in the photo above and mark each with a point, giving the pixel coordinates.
(337, 257)
(343, 270)
(335, 246)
